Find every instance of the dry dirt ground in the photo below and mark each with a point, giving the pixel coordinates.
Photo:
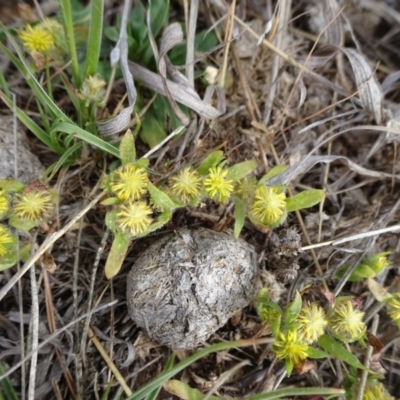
(338, 114)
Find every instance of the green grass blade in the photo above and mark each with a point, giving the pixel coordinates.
(285, 392)
(33, 126)
(70, 35)
(64, 160)
(166, 375)
(170, 363)
(86, 136)
(6, 388)
(95, 35)
(36, 87)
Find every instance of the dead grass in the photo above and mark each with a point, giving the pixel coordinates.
(289, 99)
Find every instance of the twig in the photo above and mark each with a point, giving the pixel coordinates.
(364, 376)
(50, 338)
(394, 228)
(35, 329)
(190, 35)
(109, 362)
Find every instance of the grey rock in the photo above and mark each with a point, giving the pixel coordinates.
(29, 166)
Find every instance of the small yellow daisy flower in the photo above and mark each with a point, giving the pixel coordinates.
(376, 391)
(346, 322)
(290, 347)
(186, 185)
(4, 203)
(6, 239)
(129, 182)
(312, 321)
(133, 218)
(36, 39)
(393, 308)
(217, 186)
(33, 205)
(269, 205)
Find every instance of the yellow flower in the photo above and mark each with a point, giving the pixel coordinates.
(312, 321)
(269, 205)
(376, 391)
(129, 182)
(186, 185)
(133, 218)
(346, 322)
(6, 239)
(34, 205)
(393, 308)
(4, 203)
(93, 90)
(290, 347)
(36, 39)
(217, 186)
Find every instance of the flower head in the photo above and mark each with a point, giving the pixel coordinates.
(133, 218)
(245, 188)
(393, 308)
(217, 186)
(289, 347)
(269, 205)
(186, 185)
(312, 321)
(4, 203)
(93, 90)
(346, 322)
(376, 391)
(7, 239)
(36, 39)
(129, 182)
(35, 204)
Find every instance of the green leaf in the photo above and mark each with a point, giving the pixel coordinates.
(117, 254)
(293, 309)
(152, 131)
(273, 172)
(111, 32)
(184, 391)
(288, 366)
(22, 225)
(110, 221)
(239, 171)
(160, 198)
(11, 185)
(305, 199)
(377, 290)
(212, 160)
(239, 214)
(336, 349)
(263, 296)
(159, 12)
(110, 201)
(163, 218)
(312, 352)
(127, 150)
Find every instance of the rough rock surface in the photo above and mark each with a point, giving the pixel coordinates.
(188, 284)
(29, 166)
